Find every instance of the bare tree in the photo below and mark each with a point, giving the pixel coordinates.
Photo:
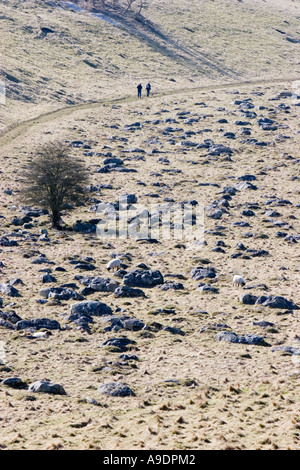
(54, 179)
(128, 5)
(142, 4)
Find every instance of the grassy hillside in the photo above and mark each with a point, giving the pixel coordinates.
(87, 58)
(222, 129)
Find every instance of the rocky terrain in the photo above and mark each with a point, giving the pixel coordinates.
(165, 352)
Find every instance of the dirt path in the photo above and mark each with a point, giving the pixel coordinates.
(16, 131)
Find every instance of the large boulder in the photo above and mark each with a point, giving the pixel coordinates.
(232, 337)
(91, 307)
(60, 293)
(273, 301)
(15, 382)
(9, 290)
(115, 389)
(201, 273)
(143, 278)
(84, 227)
(248, 299)
(41, 386)
(126, 291)
(100, 284)
(38, 324)
(118, 344)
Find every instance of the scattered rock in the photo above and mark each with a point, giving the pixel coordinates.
(115, 389)
(201, 273)
(143, 278)
(118, 344)
(126, 291)
(232, 337)
(15, 382)
(38, 324)
(279, 302)
(91, 307)
(41, 386)
(9, 290)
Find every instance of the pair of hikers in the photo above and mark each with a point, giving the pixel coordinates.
(140, 87)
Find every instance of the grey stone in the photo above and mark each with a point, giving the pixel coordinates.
(119, 343)
(277, 302)
(100, 284)
(41, 386)
(248, 299)
(174, 330)
(263, 324)
(10, 316)
(232, 337)
(38, 324)
(207, 288)
(84, 227)
(6, 324)
(243, 185)
(128, 357)
(34, 212)
(132, 324)
(115, 389)
(4, 241)
(91, 307)
(14, 382)
(41, 260)
(287, 349)
(126, 291)
(9, 290)
(143, 278)
(215, 214)
(48, 278)
(60, 293)
(170, 285)
(201, 273)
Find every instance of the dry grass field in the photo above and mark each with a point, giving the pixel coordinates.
(230, 68)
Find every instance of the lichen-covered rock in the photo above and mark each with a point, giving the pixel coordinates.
(143, 278)
(273, 301)
(170, 285)
(118, 344)
(202, 273)
(60, 293)
(9, 290)
(91, 307)
(41, 386)
(232, 337)
(15, 382)
(126, 291)
(115, 389)
(38, 324)
(207, 288)
(132, 324)
(248, 299)
(287, 349)
(84, 227)
(100, 284)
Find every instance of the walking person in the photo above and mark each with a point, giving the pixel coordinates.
(148, 89)
(139, 90)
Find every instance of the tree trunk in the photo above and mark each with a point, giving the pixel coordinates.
(55, 217)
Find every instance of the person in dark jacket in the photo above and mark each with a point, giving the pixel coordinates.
(148, 89)
(139, 89)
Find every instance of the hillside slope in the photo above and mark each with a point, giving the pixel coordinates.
(55, 56)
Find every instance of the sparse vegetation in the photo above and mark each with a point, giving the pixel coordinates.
(196, 362)
(123, 6)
